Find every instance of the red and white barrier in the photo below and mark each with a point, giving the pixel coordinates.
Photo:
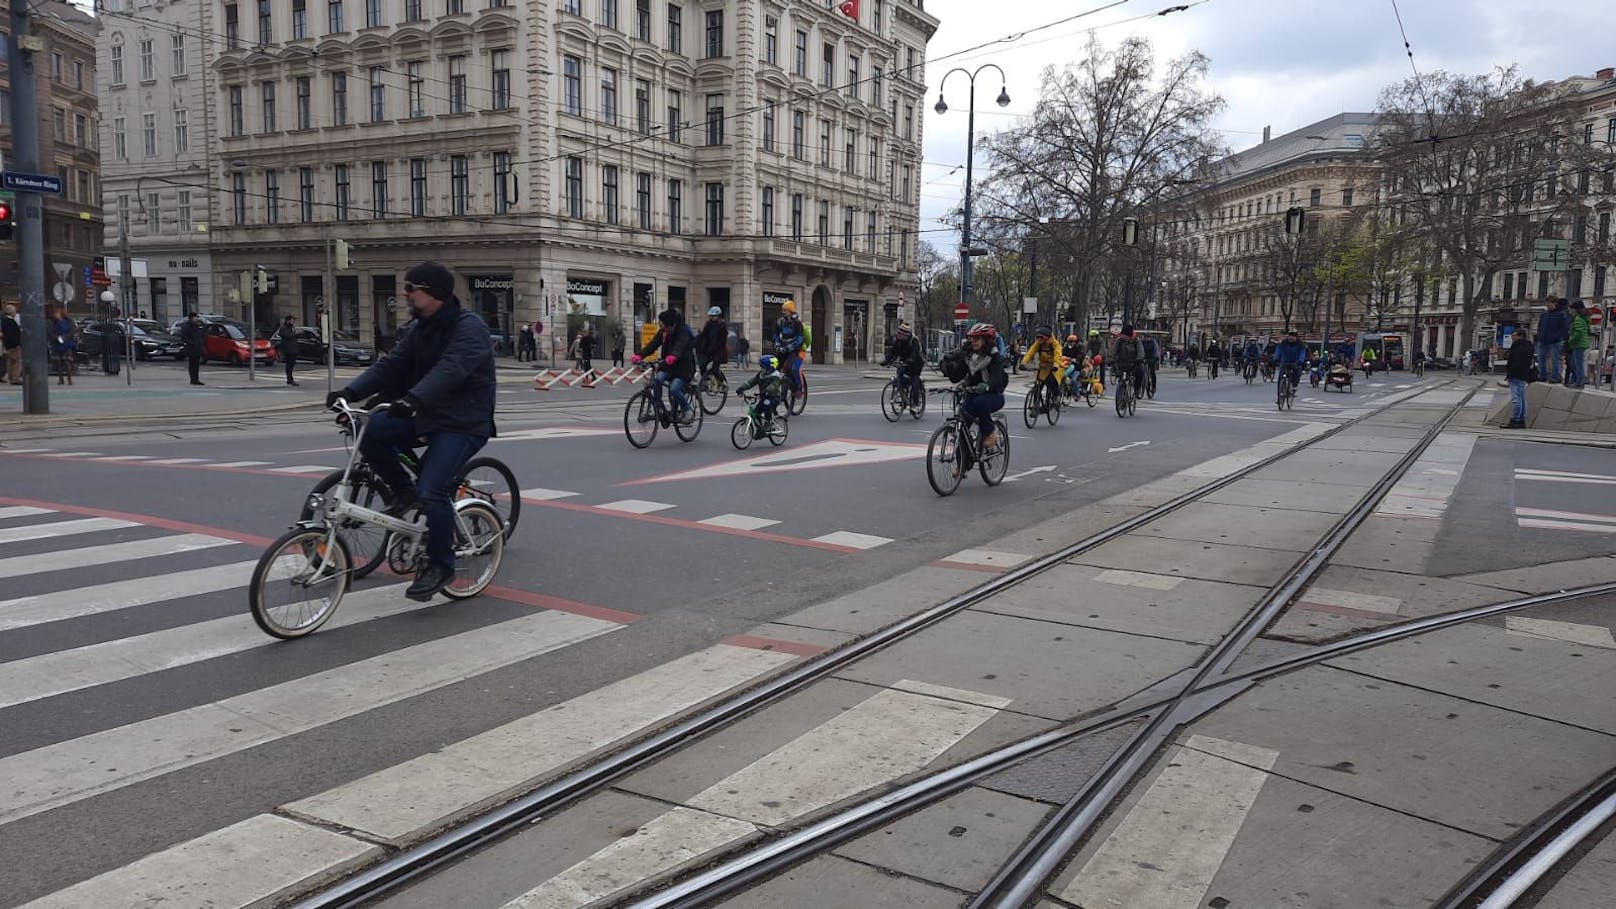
(588, 378)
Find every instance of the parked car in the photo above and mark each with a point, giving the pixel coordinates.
(226, 340)
(150, 341)
(348, 347)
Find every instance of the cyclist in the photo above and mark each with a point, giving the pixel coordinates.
(1070, 368)
(984, 381)
(676, 342)
(1248, 358)
(789, 341)
(1369, 358)
(1047, 351)
(1419, 360)
(1214, 356)
(771, 386)
(1289, 356)
(906, 353)
(440, 377)
(1129, 357)
(1152, 351)
(712, 345)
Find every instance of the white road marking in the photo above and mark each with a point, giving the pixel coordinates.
(539, 494)
(987, 557)
(71, 454)
(187, 461)
(738, 522)
(66, 772)
(18, 566)
(304, 468)
(1427, 488)
(4, 450)
(552, 432)
(240, 464)
(1148, 581)
(1565, 515)
(237, 865)
(1572, 632)
(1170, 845)
(62, 529)
(420, 793)
(124, 458)
(829, 453)
(22, 511)
(67, 604)
(1128, 446)
(635, 506)
(1581, 527)
(1047, 468)
(1346, 599)
(855, 540)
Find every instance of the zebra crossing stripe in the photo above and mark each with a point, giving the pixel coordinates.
(66, 772)
(22, 511)
(17, 566)
(61, 529)
(39, 609)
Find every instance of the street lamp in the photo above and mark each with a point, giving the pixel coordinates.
(967, 253)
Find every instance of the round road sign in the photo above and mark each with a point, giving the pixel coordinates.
(1595, 315)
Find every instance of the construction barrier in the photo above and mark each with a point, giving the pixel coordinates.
(588, 378)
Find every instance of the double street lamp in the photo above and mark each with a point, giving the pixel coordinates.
(967, 253)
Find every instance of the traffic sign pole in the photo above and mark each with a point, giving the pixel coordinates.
(20, 52)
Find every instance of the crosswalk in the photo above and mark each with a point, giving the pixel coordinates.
(131, 617)
(1533, 478)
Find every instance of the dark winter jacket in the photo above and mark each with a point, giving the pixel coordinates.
(10, 333)
(446, 363)
(713, 342)
(1553, 326)
(1520, 362)
(1127, 353)
(788, 337)
(771, 383)
(986, 367)
(194, 335)
(905, 352)
(285, 343)
(677, 342)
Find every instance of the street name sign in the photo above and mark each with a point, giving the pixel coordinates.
(34, 183)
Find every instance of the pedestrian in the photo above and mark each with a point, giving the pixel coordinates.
(111, 345)
(1608, 370)
(285, 344)
(619, 342)
(63, 345)
(1553, 327)
(11, 340)
(745, 347)
(1577, 343)
(527, 345)
(1519, 373)
(583, 348)
(193, 334)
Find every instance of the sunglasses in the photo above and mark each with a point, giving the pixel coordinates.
(409, 287)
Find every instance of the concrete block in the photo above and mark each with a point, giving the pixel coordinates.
(1543, 418)
(1537, 393)
(1500, 412)
(1590, 405)
(1607, 424)
(1559, 397)
(1581, 425)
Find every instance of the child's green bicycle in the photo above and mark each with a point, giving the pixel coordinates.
(752, 427)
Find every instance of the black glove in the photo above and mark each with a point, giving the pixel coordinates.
(405, 408)
(332, 397)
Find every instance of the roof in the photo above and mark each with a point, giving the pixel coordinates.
(1342, 134)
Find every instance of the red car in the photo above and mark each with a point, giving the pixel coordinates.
(227, 341)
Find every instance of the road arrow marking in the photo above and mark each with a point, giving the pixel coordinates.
(1127, 446)
(1028, 473)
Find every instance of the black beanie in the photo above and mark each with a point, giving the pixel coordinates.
(433, 278)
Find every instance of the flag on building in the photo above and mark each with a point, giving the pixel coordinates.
(849, 9)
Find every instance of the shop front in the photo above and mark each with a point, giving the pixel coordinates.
(772, 301)
(855, 322)
(493, 298)
(587, 302)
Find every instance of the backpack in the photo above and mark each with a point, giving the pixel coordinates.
(953, 366)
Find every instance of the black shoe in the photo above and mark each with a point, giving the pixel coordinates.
(429, 582)
(289, 382)
(402, 504)
(197, 382)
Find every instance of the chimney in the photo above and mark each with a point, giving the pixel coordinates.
(1608, 72)
(1266, 133)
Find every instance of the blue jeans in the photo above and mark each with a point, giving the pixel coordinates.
(446, 453)
(982, 407)
(1548, 359)
(1578, 366)
(1517, 398)
(676, 390)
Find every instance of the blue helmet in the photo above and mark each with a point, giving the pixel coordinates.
(769, 361)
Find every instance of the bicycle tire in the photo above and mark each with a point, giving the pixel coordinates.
(1122, 399)
(740, 435)
(891, 401)
(993, 467)
(1053, 412)
(688, 432)
(918, 408)
(305, 538)
(1030, 406)
(1133, 403)
(367, 543)
(778, 430)
(641, 413)
(798, 402)
(513, 493)
(943, 459)
(476, 514)
(1150, 385)
(707, 391)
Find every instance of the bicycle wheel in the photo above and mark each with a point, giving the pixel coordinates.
(778, 430)
(943, 462)
(1123, 394)
(479, 547)
(994, 466)
(640, 419)
(1053, 413)
(367, 543)
(1030, 405)
(918, 409)
(713, 390)
(490, 481)
(740, 435)
(298, 582)
(1133, 402)
(799, 396)
(688, 432)
(1150, 385)
(892, 403)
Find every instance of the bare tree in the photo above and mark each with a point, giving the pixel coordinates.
(933, 309)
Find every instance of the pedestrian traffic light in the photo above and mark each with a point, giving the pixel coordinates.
(5, 219)
(261, 281)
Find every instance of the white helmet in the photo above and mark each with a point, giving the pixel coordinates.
(714, 311)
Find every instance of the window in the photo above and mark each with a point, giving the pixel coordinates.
(909, 63)
(117, 59)
(799, 121)
(875, 158)
(908, 172)
(715, 209)
(676, 116)
(305, 194)
(147, 61)
(767, 217)
(333, 16)
(903, 248)
(81, 130)
(850, 153)
(412, 11)
(853, 82)
(642, 19)
(416, 82)
(339, 99)
(1509, 286)
(459, 184)
(576, 7)
(373, 13)
(1610, 132)
(799, 60)
(608, 193)
(642, 106)
(182, 215)
(269, 107)
(869, 233)
(1346, 197)
(768, 126)
(1579, 230)
(572, 84)
(876, 83)
(304, 90)
(232, 28)
(265, 33)
(178, 45)
(608, 13)
(300, 19)
(824, 142)
(1599, 280)
(827, 66)
(457, 85)
(796, 217)
(504, 183)
(418, 187)
(238, 123)
(848, 216)
(378, 189)
(771, 40)
(575, 187)
(875, 18)
(909, 122)
(1314, 196)
(642, 199)
(608, 95)
(182, 131)
(824, 223)
(676, 30)
(1604, 227)
(715, 33)
(153, 209)
(238, 198)
(502, 80)
(378, 95)
(715, 119)
(120, 140)
(272, 196)
(344, 194)
(676, 212)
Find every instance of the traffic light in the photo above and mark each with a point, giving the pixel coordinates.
(1130, 232)
(261, 281)
(341, 254)
(6, 213)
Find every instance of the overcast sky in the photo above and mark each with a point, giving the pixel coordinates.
(1279, 63)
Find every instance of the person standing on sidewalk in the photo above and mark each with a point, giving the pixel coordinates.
(192, 333)
(1553, 327)
(618, 343)
(285, 344)
(11, 340)
(1519, 372)
(1577, 343)
(64, 345)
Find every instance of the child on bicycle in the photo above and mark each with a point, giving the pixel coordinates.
(772, 389)
(1091, 377)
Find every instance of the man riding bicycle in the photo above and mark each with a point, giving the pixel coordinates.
(1047, 351)
(1249, 356)
(984, 381)
(440, 377)
(712, 345)
(910, 359)
(1290, 355)
(1129, 357)
(676, 343)
(1152, 351)
(789, 341)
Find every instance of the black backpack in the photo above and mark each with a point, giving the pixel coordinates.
(953, 366)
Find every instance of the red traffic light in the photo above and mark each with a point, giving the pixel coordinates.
(5, 211)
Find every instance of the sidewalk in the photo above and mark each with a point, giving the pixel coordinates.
(162, 389)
